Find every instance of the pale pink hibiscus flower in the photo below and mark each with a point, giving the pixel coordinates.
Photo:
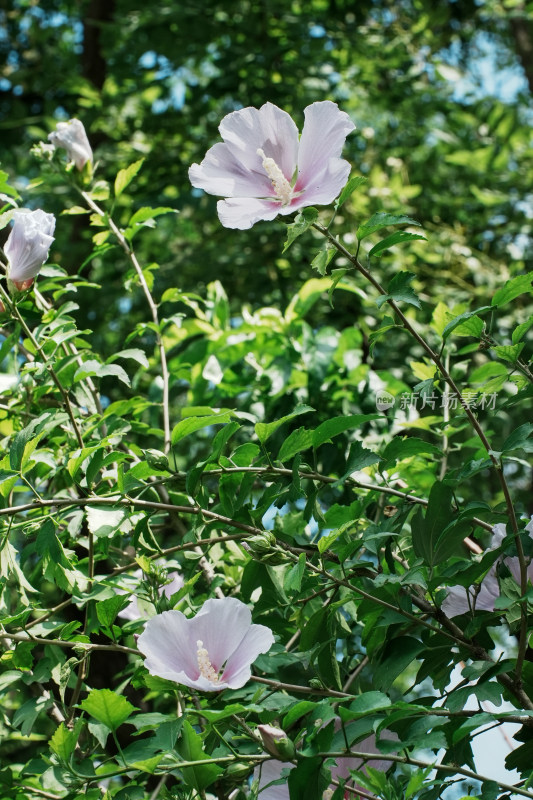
(264, 169)
(461, 600)
(27, 245)
(72, 137)
(210, 651)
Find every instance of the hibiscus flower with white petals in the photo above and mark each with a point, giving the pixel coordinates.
(210, 651)
(27, 245)
(264, 169)
(72, 137)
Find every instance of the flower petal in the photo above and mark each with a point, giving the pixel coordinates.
(242, 212)
(222, 625)
(325, 130)
(268, 128)
(258, 639)
(168, 646)
(223, 174)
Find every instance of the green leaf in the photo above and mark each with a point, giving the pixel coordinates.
(134, 353)
(518, 438)
(296, 442)
(400, 652)
(189, 747)
(457, 321)
(125, 176)
(400, 448)
(305, 218)
(321, 260)
(349, 189)
(104, 521)
(509, 352)
(520, 330)
(358, 458)
(390, 241)
(107, 610)
(399, 289)
(191, 424)
(366, 703)
(63, 742)
(16, 451)
(332, 427)
(513, 288)
(293, 579)
(382, 220)
(264, 430)
(108, 708)
(439, 535)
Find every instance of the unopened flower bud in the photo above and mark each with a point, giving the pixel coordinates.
(263, 548)
(156, 459)
(276, 742)
(237, 773)
(27, 245)
(71, 135)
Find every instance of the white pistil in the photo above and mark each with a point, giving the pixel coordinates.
(206, 668)
(280, 183)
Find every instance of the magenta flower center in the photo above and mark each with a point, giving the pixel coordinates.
(204, 663)
(280, 183)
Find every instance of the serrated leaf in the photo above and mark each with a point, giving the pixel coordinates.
(109, 708)
(390, 241)
(191, 424)
(358, 458)
(264, 430)
(382, 220)
(107, 610)
(321, 260)
(509, 352)
(293, 578)
(63, 742)
(296, 442)
(125, 176)
(451, 326)
(305, 218)
(349, 189)
(400, 290)
(522, 284)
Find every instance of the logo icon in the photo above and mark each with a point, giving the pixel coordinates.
(384, 400)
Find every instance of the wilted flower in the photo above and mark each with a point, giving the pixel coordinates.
(27, 245)
(460, 599)
(71, 135)
(133, 611)
(210, 651)
(264, 169)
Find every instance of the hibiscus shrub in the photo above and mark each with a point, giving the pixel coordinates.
(248, 555)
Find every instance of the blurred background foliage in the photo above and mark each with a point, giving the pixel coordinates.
(440, 93)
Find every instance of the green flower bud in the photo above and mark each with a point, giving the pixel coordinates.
(156, 459)
(276, 742)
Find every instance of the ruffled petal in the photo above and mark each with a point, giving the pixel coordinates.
(325, 186)
(325, 130)
(168, 646)
(223, 174)
(222, 625)
(28, 243)
(242, 212)
(268, 128)
(258, 639)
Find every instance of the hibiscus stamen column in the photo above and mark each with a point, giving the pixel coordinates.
(204, 663)
(280, 183)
